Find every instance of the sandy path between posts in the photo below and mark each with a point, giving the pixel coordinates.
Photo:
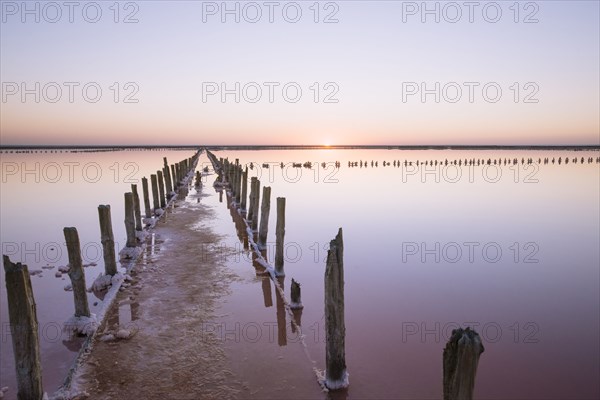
(174, 291)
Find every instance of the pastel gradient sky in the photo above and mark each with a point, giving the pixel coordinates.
(370, 55)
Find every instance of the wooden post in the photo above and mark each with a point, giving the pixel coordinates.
(130, 220)
(154, 192)
(238, 184)
(244, 188)
(24, 330)
(168, 184)
(198, 179)
(252, 195)
(296, 297)
(174, 175)
(167, 177)
(107, 239)
(76, 273)
(279, 235)
(461, 357)
(136, 208)
(264, 217)
(336, 376)
(254, 223)
(146, 197)
(161, 189)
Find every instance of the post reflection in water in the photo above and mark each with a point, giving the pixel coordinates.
(297, 320)
(281, 325)
(266, 288)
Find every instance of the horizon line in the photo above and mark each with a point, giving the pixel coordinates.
(309, 147)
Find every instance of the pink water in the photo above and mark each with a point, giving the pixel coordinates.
(535, 306)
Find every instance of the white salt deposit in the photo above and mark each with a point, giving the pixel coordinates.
(82, 325)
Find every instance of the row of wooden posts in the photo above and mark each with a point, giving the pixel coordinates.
(461, 353)
(21, 302)
(232, 175)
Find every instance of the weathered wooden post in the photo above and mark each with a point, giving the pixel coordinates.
(279, 236)
(146, 197)
(155, 201)
(264, 217)
(130, 220)
(296, 303)
(136, 208)
(167, 177)
(250, 215)
(107, 239)
(336, 376)
(161, 189)
(76, 273)
(168, 184)
(198, 179)
(238, 184)
(174, 175)
(461, 358)
(254, 223)
(244, 189)
(24, 330)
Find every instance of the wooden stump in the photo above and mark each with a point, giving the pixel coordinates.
(76, 273)
(336, 375)
(161, 189)
(167, 175)
(155, 201)
(130, 220)
(24, 331)
(264, 217)
(279, 236)
(461, 358)
(254, 222)
(244, 189)
(107, 239)
(238, 184)
(296, 298)
(168, 183)
(174, 175)
(252, 195)
(146, 197)
(136, 208)
(198, 179)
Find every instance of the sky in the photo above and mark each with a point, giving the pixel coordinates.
(305, 72)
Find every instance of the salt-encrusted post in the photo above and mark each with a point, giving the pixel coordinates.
(198, 179)
(250, 215)
(279, 235)
(296, 303)
(336, 376)
(76, 273)
(107, 239)
(461, 357)
(161, 189)
(254, 223)
(264, 217)
(244, 188)
(136, 208)
(155, 201)
(24, 330)
(130, 220)
(146, 197)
